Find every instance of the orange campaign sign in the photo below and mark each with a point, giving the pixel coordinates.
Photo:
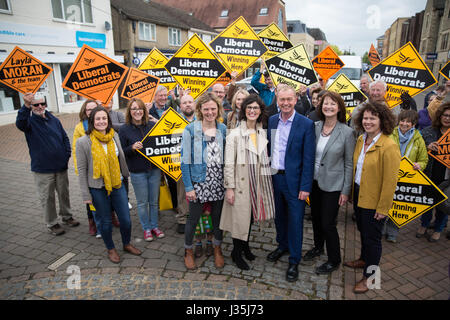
(224, 79)
(95, 76)
(23, 72)
(327, 63)
(443, 153)
(374, 57)
(139, 84)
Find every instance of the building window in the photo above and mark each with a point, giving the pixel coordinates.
(5, 6)
(147, 31)
(73, 10)
(280, 19)
(224, 13)
(69, 96)
(9, 99)
(444, 42)
(174, 37)
(263, 11)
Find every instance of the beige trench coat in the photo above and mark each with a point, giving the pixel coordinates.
(236, 218)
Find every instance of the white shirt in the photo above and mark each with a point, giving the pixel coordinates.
(319, 152)
(362, 155)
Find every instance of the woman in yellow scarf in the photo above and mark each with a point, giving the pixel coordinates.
(101, 167)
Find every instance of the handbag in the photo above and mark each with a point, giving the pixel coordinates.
(165, 199)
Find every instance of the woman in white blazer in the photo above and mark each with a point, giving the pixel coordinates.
(335, 143)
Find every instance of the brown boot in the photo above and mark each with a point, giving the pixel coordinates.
(189, 260)
(92, 227)
(131, 249)
(113, 256)
(218, 257)
(361, 286)
(356, 264)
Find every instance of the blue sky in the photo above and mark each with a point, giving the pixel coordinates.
(351, 23)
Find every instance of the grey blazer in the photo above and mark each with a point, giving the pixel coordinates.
(336, 166)
(85, 168)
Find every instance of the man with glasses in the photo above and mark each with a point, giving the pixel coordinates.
(50, 151)
(219, 90)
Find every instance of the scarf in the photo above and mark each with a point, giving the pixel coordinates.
(404, 139)
(105, 166)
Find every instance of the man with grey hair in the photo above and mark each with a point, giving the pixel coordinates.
(50, 151)
(219, 90)
(364, 83)
(377, 91)
(159, 105)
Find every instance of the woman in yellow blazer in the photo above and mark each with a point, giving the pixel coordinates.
(78, 132)
(376, 161)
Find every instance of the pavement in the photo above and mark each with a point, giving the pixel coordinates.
(411, 269)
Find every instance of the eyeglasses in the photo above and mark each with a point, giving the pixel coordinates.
(253, 108)
(446, 116)
(39, 104)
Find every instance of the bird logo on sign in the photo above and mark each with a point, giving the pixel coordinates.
(170, 126)
(155, 62)
(193, 50)
(296, 56)
(239, 31)
(87, 61)
(341, 86)
(270, 33)
(403, 174)
(403, 59)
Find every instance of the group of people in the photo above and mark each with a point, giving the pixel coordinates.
(260, 160)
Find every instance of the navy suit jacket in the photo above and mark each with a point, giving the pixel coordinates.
(300, 152)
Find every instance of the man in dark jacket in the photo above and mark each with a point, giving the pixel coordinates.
(50, 151)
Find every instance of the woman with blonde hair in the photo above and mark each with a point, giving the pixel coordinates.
(236, 102)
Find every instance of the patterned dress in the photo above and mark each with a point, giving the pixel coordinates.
(212, 189)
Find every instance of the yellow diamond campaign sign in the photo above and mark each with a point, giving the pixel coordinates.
(351, 95)
(445, 71)
(292, 67)
(162, 145)
(414, 195)
(194, 66)
(403, 71)
(275, 40)
(154, 65)
(238, 46)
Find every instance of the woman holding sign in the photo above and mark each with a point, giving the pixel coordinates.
(248, 180)
(412, 146)
(202, 154)
(101, 166)
(435, 170)
(145, 176)
(376, 161)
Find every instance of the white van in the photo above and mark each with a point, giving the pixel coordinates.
(353, 69)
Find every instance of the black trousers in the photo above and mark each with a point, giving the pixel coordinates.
(324, 212)
(173, 190)
(370, 230)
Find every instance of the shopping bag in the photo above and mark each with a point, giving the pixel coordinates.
(165, 199)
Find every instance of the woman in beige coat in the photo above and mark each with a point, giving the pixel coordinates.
(247, 179)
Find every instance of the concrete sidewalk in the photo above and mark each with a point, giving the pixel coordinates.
(411, 269)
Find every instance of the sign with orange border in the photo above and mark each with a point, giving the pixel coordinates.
(23, 72)
(414, 195)
(327, 63)
(374, 57)
(154, 64)
(224, 79)
(162, 144)
(139, 84)
(443, 153)
(403, 71)
(95, 76)
(445, 71)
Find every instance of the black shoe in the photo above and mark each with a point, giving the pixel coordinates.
(236, 256)
(311, 254)
(275, 255)
(327, 267)
(180, 228)
(292, 273)
(248, 254)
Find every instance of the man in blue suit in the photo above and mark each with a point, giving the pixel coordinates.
(292, 145)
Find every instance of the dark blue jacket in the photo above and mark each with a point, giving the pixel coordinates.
(47, 141)
(129, 134)
(300, 152)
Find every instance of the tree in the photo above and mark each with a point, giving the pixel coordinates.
(336, 49)
(365, 58)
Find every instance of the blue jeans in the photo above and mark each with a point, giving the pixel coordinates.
(439, 222)
(289, 212)
(104, 205)
(146, 188)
